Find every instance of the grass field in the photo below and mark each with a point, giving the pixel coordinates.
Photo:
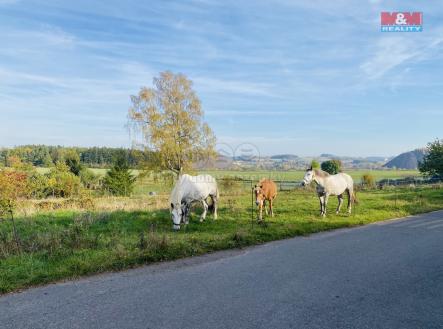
(283, 175)
(297, 175)
(146, 185)
(65, 244)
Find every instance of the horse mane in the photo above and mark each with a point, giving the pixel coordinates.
(321, 173)
(176, 192)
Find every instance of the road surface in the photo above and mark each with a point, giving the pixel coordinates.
(385, 275)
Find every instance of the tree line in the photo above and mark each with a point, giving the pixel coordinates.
(93, 157)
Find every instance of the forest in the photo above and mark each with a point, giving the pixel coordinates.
(92, 157)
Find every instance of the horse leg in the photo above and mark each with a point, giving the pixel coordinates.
(271, 207)
(340, 202)
(214, 204)
(260, 212)
(350, 194)
(321, 204)
(205, 210)
(325, 204)
(266, 209)
(186, 214)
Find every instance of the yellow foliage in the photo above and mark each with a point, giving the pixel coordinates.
(170, 117)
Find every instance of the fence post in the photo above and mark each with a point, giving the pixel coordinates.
(252, 206)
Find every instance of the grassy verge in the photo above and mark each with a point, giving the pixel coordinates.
(67, 244)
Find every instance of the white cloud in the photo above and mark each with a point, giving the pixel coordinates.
(213, 85)
(394, 51)
(389, 53)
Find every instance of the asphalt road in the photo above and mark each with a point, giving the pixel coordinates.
(385, 275)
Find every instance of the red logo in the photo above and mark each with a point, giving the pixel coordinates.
(401, 21)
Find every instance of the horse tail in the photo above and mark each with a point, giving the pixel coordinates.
(354, 197)
(211, 207)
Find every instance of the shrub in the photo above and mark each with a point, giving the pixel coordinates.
(119, 180)
(13, 186)
(368, 180)
(62, 182)
(332, 166)
(89, 179)
(230, 185)
(38, 185)
(432, 165)
(72, 160)
(315, 164)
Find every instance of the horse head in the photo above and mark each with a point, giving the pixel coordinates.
(259, 195)
(177, 215)
(309, 177)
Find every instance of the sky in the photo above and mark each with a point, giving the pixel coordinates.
(300, 77)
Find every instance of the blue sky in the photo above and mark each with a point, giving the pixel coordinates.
(302, 77)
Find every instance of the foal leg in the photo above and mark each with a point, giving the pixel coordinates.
(340, 202)
(271, 207)
(260, 212)
(205, 210)
(266, 209)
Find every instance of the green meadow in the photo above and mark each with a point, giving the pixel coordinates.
(297, 175)
(70, 243)
(284, 175)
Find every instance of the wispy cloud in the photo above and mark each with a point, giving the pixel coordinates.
(393, 52)
(389, 53)
(213, 85)
(288, 69)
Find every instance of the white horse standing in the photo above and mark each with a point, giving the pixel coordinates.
(331, 185)
(190, 189)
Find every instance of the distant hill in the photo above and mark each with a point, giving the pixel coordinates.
(284, 157)
(376, 159)
(407, 160)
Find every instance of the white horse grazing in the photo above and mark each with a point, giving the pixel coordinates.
(190, 189)
(331, 185)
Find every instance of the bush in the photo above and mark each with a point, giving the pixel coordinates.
(432, 165)
(38, 185)
(368, 180)
(13, 186)
(119, 180)
(72, 160)
(89, 179)
(315, 164)
(332, 166)
(230, 185)
(62, 182)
